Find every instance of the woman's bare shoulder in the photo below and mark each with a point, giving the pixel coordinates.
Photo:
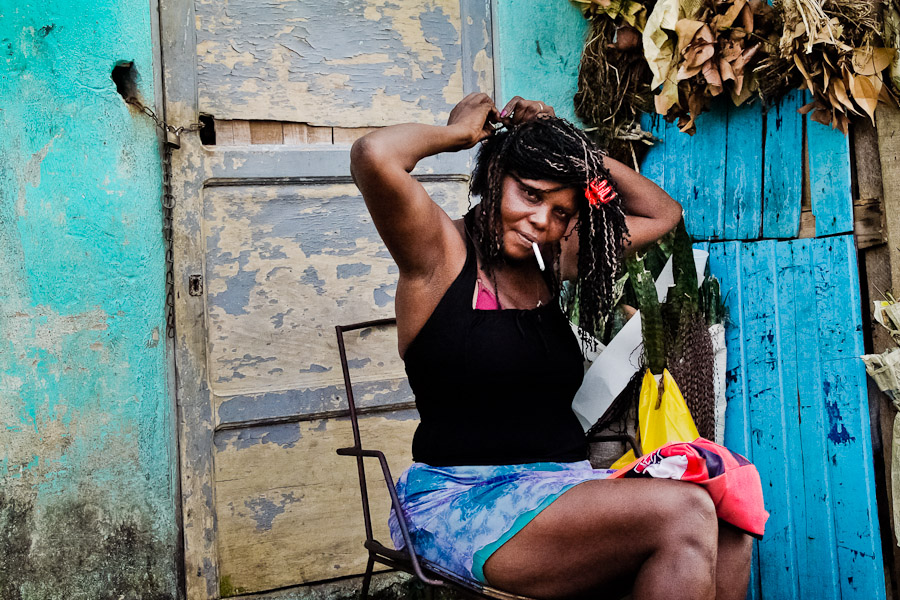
(418, 295)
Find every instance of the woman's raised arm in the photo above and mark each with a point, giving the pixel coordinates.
(415, 230)
(650, 212)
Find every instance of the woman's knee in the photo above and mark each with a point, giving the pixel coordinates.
(690, 519)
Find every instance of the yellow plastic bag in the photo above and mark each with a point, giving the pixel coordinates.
(661, 420)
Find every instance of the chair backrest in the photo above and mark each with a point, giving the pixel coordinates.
(354, 419)
(407, 555)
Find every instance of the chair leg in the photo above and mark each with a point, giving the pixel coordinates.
(367, 579)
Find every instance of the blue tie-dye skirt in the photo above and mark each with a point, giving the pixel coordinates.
(458, 516)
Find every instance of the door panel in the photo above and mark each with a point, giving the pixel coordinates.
(288, 507)
(344, 63)
(284, 264)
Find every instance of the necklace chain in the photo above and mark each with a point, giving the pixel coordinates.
(496, 290)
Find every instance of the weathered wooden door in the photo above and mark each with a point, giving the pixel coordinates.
(273, 247)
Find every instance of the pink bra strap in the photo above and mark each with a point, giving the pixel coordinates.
(485, 300)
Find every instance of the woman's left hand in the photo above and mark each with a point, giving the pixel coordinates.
(518, 110)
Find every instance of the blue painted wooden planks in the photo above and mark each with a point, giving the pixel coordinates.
(692, 170)
(702, 176)
(724, 263)
(783, 174)
(770, 424)
(716, 174)
(800, 321)
(829, 179)
(846, 431)
(798, 409)
(741, 176)
(743, 173)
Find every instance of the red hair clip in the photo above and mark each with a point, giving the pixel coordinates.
(599, 192)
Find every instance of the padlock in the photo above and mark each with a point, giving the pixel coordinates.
(173, 139)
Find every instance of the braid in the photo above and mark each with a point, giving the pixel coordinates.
(488, 222)
(553, 149)
(606, 236)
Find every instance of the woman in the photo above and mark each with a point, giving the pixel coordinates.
(500, 490)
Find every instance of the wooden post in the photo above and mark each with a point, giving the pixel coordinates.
(877, 162)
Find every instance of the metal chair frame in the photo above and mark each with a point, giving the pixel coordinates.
(406, 560)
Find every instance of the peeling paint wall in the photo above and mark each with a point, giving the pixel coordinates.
(87, 504)
(343, 63)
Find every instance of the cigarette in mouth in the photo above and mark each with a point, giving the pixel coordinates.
(537, 255)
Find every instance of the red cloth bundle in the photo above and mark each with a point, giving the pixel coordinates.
(730, 479)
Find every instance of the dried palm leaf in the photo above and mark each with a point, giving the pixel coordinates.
(714, 53)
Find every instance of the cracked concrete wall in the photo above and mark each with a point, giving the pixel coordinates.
(87, 487)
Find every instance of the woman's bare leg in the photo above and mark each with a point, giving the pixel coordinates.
(660, 534)
(733, 563)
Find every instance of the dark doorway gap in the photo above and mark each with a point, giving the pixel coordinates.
(208, 131)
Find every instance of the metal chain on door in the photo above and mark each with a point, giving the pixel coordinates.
(172, 143)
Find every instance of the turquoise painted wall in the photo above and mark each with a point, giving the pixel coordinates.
(538, 47)
(87, 496)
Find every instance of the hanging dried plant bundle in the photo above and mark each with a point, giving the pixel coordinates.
(833, 46)
(613, 79)
(697, 50)
(714, 46)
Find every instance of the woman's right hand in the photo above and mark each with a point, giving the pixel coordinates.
(474, 117)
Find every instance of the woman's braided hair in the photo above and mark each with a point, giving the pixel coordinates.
(550, 148)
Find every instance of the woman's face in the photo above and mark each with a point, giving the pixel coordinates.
(534, 210)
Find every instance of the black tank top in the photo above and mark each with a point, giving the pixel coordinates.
(494, 387)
